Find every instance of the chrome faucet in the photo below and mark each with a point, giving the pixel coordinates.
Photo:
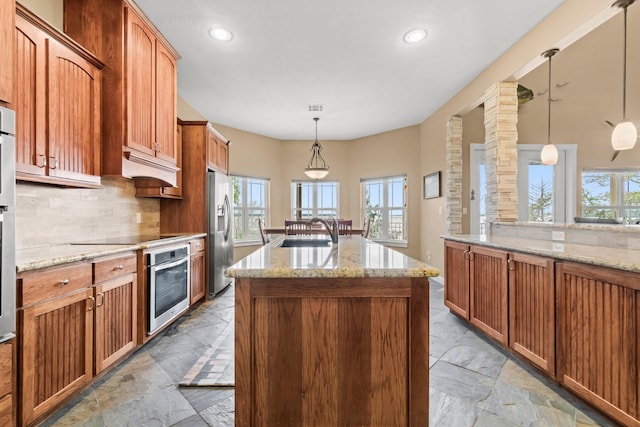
(332, 229)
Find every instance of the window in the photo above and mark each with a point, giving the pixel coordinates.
(249, 204)
(611, 194)
(314, 199)
(385, 204)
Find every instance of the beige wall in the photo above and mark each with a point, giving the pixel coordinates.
(49, 10)
(570, 18)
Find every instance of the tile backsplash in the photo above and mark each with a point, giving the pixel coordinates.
(47, 215)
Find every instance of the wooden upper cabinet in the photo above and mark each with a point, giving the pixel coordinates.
(140, 88)
(217, 151)
(58, 88)
(7, 49)
(166, 105)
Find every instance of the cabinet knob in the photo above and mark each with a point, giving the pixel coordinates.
(119, 267)
(43, 161)
(53, 162)
(64, 282)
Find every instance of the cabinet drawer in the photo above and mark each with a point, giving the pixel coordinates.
(43, 284)
(6, 411)
(196, 245)
(109, 268)
(6, 366)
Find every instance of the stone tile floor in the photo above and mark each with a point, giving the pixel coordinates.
(472, 383)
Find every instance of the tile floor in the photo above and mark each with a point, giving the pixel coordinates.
(473, 382)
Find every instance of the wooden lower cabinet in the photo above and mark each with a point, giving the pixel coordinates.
(532, 309)
(456, 285)
(488, 309)
(598, 332)
(332, 351)
(7, 383)
(198, 271)
(56, 351)
(115, 292)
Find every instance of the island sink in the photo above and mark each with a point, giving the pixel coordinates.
(304, 243)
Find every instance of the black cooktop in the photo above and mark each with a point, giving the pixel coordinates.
(122, 240)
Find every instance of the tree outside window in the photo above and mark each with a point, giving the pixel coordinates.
(611, 194)
(385, 205)
(249, 204)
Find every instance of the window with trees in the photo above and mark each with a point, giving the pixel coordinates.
(611, 194)
(384, 202)
(250, 202)
(314, 199)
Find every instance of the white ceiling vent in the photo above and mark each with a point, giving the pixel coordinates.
(316, 107)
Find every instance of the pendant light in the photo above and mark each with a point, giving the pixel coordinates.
(549, 154)
(625, 134)
(317, 168)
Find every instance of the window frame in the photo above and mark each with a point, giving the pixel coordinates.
(297, 207)
(244, 209)
(386, 180)
(619, 207)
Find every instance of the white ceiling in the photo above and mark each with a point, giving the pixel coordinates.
(347, 55)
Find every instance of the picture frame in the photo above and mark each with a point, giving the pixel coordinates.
(431, 185)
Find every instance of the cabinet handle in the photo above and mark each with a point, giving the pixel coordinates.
(64, 282)
(119, 267)
(101, 303)
(93, 303)
(510, 266)
(53, 163)
(43, 161)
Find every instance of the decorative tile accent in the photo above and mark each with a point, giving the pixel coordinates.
(454, 175)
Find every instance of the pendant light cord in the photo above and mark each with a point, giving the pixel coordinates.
(624, 70)
(549, 105)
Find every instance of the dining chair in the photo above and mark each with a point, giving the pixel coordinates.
(345, 226)
(292, 226)
(263, 233)
(365, 228)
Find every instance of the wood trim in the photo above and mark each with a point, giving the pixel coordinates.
(333, 287)
(243, 353)
(419, 346)
(57, 35)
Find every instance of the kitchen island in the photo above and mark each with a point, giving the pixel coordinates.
(335, 335)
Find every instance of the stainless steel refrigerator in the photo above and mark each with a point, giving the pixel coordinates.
(220, 238)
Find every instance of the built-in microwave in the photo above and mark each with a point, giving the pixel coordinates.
(7, 225)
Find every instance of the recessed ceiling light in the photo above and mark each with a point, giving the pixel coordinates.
(220, 34)
(415, 36)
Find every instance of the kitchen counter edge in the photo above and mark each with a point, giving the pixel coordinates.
(49, 256)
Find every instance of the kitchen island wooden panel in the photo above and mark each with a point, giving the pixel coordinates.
(342, 340)
(358, 357)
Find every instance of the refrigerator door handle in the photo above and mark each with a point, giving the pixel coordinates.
(227, 217)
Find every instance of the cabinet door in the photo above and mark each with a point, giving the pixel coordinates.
(140, 65)
(532, 309)
(7, 49)
(488, 291)
(56, 351)
(212, 150)
(30, 100)
(222, 156)
(115, 320)
(7, 375)
(456, 284)
(598, 343)
(198, 277)
(74, 116)
(166, 105)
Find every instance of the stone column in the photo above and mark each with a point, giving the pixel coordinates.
(501, 152)
(454, 175)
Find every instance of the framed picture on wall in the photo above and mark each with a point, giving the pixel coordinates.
(431, 185)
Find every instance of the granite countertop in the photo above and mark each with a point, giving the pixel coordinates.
(353, 256)
(618, 258)
(48, 256)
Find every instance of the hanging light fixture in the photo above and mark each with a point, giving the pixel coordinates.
(549, 154)
(317, 168)
(625, 133)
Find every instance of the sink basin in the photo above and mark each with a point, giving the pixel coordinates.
(304, 243)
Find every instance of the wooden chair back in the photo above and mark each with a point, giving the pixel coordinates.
(292, 226)
(263, 234)
(345, 226)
